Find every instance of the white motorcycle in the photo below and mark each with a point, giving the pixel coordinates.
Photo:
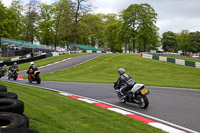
(137, 95)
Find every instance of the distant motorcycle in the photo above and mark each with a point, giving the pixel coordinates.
(136, 95)
(2, 72)
(13, 73)
(34, 77)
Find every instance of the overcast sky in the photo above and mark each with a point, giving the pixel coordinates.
(173, 15)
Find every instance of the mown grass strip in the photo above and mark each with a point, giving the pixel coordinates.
(50, 112)
(149, 72)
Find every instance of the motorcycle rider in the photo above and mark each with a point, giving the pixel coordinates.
(3, 70)
(4, 67)
(124, 82)
(14, 66)
(32, 68)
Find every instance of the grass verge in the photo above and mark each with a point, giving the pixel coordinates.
(50, 112)
(149, 72)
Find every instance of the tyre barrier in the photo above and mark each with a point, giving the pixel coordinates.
(8, 95)
(3, 88)
(17, 130)
(26, 120)
(11, 105)
(12, 119)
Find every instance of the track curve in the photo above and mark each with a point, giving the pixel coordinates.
(177, 105)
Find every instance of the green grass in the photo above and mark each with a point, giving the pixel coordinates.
(184, 58)
(48, 60)
(149, 72)
(50, 112)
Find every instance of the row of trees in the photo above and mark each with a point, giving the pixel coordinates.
(185, 41)
(68, 22)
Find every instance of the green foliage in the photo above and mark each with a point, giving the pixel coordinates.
(112, 27)
(65, 22)
(194, 40)
(45, 32)
(90, 28)
(10, 20)
(139, 25)
(169, 42)
(183, 41)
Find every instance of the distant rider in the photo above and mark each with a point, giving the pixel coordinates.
(14, 66)
(11, 69)
(32, 68)
(4, 69)
(124, 82)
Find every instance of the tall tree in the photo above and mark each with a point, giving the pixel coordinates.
(183, 41)
(91, 26)
(148, 31)
(4, 21)
(80, 8)
(194, 40)
(16, 10)
(45, 32)
(112, 28)
(62, 22)
(169, 42)
(139, 23)
(130, 24)
(31, 19)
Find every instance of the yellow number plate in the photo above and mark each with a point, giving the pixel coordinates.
(144, 91)
(17, 71)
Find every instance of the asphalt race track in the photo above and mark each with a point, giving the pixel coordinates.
(175, 105)
(64, 65)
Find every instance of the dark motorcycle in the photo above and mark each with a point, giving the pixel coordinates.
(2, 72)
(136, 95)
(34, 77)
(13, 73)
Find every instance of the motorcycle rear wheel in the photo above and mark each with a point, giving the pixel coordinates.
(144, 102)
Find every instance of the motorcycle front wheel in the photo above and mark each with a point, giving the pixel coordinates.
(29, 80)
(144, 102)
(120, 99)
(15, 76)
(9, 74)
(38, 80)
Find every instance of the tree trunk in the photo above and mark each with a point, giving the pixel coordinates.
(140, 47)
(144, 46)
(57, 25)
(133, 46)
(125, 47)
(76, 21)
